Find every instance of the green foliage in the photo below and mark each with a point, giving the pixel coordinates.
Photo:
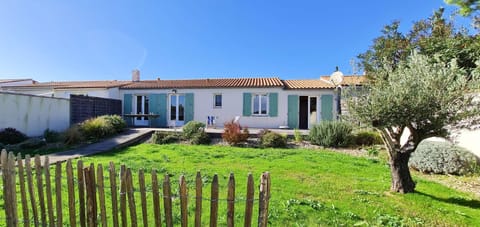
(331, 134)
(442, 158)
(200, 137)
(233, 133)
(73, 135)
(116, 122)
(102, 126)
(192, 128)
(367, 138)
(11, 136)
(372, 151)
(467, 7)
(273, 139)
(435, 37)
(297, 135)
(161, 137)
(51, 136)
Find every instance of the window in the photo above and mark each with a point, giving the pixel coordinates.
(260, 104)
(217, 101)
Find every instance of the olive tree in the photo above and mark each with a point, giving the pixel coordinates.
(408, 103)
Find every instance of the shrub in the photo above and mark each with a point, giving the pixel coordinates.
(117, 122)
(200, 137)
(297, 135)
(11, 136)
(367, 138)
(102, 126)
(73, 135)
(331, 134)
(51, 136)
(159, 137)
(192, 128)
(273, 139)
(442, 158)
(233, 133)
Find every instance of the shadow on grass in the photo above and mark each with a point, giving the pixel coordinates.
(475, 204)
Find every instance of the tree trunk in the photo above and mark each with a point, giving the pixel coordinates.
(401, 179)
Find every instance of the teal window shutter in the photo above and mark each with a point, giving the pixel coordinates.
(162, 110)
(127, 107)
(327, 107)
(247, 104)
(293, 111)
(188, 107)
(273, 104)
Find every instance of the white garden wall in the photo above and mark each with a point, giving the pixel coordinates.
(33, 114)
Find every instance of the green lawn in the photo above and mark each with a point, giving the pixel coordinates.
(309, 187)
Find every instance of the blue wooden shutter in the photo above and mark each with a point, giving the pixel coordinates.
(273, 104)
(327, 107)
(158, 105)
(247, 104)
(293, 111)
(188, 107)
(127, 108)
(162, 110)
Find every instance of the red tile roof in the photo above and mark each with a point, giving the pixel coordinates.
(349, 79)
(307, 84)
(206, 83)
(77, 84)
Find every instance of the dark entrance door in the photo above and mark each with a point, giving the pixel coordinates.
(303, 115)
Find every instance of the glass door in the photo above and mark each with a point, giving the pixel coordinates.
(177, 110)
(141, 107)
(312, 110)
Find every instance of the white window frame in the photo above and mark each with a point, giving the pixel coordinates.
(260, 104)
(215, 103)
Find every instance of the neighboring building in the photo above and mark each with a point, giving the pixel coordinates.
(15, 82)
(258, 102)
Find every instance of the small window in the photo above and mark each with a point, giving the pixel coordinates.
(217, 100)
(260, 104)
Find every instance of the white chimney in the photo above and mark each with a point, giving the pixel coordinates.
(135, 75)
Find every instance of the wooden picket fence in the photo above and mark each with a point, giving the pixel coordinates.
(91, 201)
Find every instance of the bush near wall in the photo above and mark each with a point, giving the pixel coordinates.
(367, 138)
(102, 126)
(331, 134)
(12, 136)
(442, 158)
(233, 133)
(273, 139)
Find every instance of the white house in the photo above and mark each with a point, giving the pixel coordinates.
(257, 102)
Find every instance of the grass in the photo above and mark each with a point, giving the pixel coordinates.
(309, 187)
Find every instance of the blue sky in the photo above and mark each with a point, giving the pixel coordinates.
(179, 39)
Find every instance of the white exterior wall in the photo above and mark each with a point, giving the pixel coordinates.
(232, 104)
(33, 114)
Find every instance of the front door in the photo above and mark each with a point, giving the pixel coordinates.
(308, 114)
(177, 110)
(141, 107)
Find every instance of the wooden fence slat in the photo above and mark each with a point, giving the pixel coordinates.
(113, 192)
(264, 196)
(48, 189)
(131, 199)
(214, 202)
(41, 199)
(9, 188)
(231, 201)
(58, 193)
(143, 196)
(101, 195)
(71, 194)
(91, 216)
(31, 191)
(123, 195)
(249, 202)
(156, 199)
(183, 201)
(81, 193)
(23, 193)
(167, 201)
(198, 200)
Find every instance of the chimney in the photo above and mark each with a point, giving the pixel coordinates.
(135, 75)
